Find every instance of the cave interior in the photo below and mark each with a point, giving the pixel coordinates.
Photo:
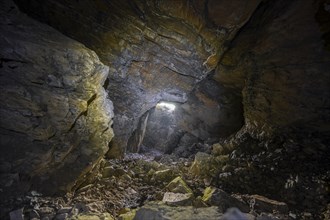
(164, 109)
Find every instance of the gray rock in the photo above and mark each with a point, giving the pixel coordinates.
(178, 199)
(234, 214)
(17, 214)
(61, 216)
(159, 211)
(64, 210)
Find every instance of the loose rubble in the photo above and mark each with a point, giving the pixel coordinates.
(139, 187)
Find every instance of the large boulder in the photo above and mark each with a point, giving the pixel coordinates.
(55, 115)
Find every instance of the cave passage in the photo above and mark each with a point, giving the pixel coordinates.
(154, 109)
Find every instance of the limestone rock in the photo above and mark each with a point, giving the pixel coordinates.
(178, 199)
(178, 186)
(55, 115)
(217, 197)
(158, 211)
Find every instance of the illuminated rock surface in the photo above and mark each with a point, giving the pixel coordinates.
(55, 115)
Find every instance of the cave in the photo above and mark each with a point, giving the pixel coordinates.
(164, 109)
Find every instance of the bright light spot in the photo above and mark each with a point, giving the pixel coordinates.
(165, 106)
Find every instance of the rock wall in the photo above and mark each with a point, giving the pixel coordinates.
(156, 50)
(281, 60)
(55, 115)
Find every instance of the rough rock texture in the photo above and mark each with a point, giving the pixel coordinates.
(156, 50)
(55, 115)
(160, 211)
(214, 58)
(281, 61)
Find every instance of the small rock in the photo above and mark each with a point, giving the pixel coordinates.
(62, 216)
(178, 186)
(160, 211)
(217, 197)
(206, 165)
(234, 214)
(64, 210)
(218, 149)
(178, 199)
(17, 214)
(163, 175)
(263, 204)
(108, 172)
(126, 177)
(128, 215)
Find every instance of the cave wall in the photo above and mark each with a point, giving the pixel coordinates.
(281, 60)
(55, 115)
(156, 50)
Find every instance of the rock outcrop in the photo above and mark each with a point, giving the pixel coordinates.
(55, 115)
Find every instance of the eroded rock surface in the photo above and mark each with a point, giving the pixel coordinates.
(55, 115)
(156, 50)
(280, 60)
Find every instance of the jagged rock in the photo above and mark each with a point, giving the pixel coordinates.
(216, 197)
(158, 211)
(263, 204)
(51, 88)
(163, 175)
(206, 165)
(178, 199)
(178, 186)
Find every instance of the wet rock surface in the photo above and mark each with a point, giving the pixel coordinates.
(55, 115)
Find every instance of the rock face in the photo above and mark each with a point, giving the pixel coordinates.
(281, 63)
(157, 51)
(55, 115)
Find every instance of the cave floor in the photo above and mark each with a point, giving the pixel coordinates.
(122, 187)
